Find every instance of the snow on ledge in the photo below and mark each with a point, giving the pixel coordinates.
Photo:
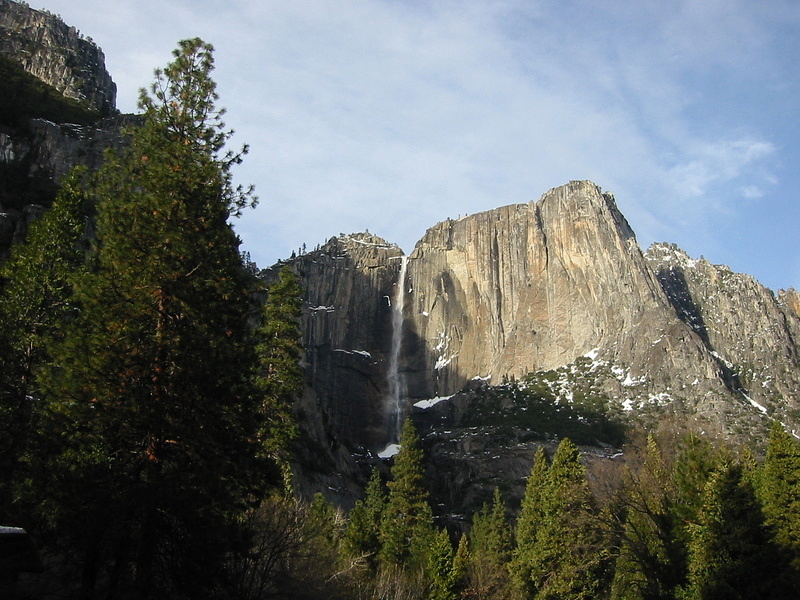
(442, 362)
(593, 354)
(322, 308)
(425, 404)
(390, 451)
(361, 352)
(11, 530)
(755, 404)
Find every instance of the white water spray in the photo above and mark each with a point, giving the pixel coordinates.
(397, 391)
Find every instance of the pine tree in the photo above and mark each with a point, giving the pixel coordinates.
(530, 521)
(731, 554)
(461, 563)
(492, 544)
(780, 491)
(562, 553)
(151, 412)
(695, 462)
(650, 564)
(363, 528)
(35, 300)
(407, 525)
(280, 377)
(442, 575)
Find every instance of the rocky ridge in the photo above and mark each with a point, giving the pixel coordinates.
(35, 151)
(557, 286)
(57, 54)
(753, 334)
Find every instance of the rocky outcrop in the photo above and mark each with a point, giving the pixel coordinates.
(560, 286)
(57, 54)
(36, 153)
(532, 286)
(755, 335)
(35, 159)
(535, 286)
(790, 300)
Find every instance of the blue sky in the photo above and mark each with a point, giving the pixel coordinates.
(392, 115)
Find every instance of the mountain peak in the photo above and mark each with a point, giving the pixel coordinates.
(527, 288)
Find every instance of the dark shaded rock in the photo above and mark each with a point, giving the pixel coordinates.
(349, 284)
(34, 159)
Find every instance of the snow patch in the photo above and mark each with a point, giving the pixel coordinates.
(10, 530)
(593, 354)
(618, 372)
(442, 362)
(322, 308)
(425, 404)
(725, 361)
(350, 238)
(660, 398)
(760, 407)
(361, 352)
(390, 451)
(631, 381)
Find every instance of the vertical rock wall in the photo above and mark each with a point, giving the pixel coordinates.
(57, 54)
(534, 286)
(531, 287)
(346, 324)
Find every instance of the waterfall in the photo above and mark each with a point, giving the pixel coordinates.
(394, 402)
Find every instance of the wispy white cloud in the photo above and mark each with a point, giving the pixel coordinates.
(391, 115)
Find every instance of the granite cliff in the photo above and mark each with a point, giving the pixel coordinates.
(58, 55)
(57, 110)
(557, 286)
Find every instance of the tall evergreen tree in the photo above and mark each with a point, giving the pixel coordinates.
(407, 524)
(461, 563)
(35, 301)
(731, 555)
(151, 409)
(780, 491)
(363, 529)
(564, 555)
(650, 564)
(530, 521)
(443, 577)
(492, 543)
(280, 376)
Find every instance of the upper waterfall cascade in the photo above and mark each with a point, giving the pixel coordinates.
(394, 402)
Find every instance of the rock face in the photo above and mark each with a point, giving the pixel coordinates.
(35, 159)
(347, 331)
(533, 286)
(790, 300)
(57, 54)
(536, 287)
(35, 153)
(754, 334)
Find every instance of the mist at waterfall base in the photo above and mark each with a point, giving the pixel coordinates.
(394, 402)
